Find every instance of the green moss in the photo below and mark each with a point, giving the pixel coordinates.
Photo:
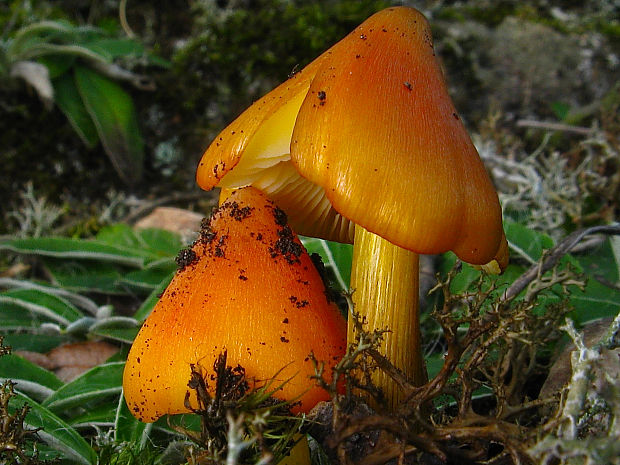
(238, 54)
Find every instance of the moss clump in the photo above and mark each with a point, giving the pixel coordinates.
(240, 50)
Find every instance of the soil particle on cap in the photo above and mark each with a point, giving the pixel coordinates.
(206, 233)
(186, 257)
(238, 213)
(330, 294)
(287, 247)
(280, 217)
(218, 167)
(297, 302)
(219, 248)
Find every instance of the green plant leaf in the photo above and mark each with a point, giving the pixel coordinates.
(127, 428)
(602, 261)
(101, 415)
(152, 243)
(66, 248)
(78, 300)
(115, 48)
(120, 234)
(596, 301)
(30, 379)
(126, 335)
(166, 243)
(57, 65)
(118, 328)
(70, 102)
(526, 243)
(145, 309)
(561, 110)
(85, 275)
(97, 383)
(37, 33)
(337, 258)
(113, 113)
(49, 306)
(54, 431)
(14, 318)
(34, 342)
(150, 277)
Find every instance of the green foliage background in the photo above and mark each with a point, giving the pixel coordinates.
(98, 279)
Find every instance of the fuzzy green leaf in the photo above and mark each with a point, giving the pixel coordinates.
(113, 113)
(70, 102)
(78, 300)
(48, 305)
(145, 309)
(14, 318)
(54, 431)
(85, 275)
(38, 342)
(166, 243)
(597, 301)
(30, 379)
(526, 243)
(57, 65)
(66, 248)
(97, 383)
(102, 415)
(156, 243)
(121, 329)
(127, 428)
(150, 277)
(115, 48)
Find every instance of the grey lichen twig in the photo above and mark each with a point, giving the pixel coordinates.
(581, 361)
(554, 255)
(579, 400)
(528, 123)
(237, 441)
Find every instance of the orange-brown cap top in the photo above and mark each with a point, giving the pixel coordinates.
(377, 136)
(250, 288)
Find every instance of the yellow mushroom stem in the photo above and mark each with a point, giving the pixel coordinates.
(385, 283)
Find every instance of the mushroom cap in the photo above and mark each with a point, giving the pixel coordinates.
(248, 288)
(367, 133)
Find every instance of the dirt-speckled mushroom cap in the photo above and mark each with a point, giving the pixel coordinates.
(368, 134)
(250, 288)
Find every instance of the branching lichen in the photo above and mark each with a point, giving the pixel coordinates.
(483, 405)
(550, 189)
(586, 427)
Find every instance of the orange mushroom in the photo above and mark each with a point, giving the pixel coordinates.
(364, 145)
(248, 287)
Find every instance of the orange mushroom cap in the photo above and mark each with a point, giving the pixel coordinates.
(249, 288)
(367, 133)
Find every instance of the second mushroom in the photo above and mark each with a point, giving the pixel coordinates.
(248, 287)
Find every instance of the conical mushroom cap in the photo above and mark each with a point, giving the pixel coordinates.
(375, 140)
(250, 288)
